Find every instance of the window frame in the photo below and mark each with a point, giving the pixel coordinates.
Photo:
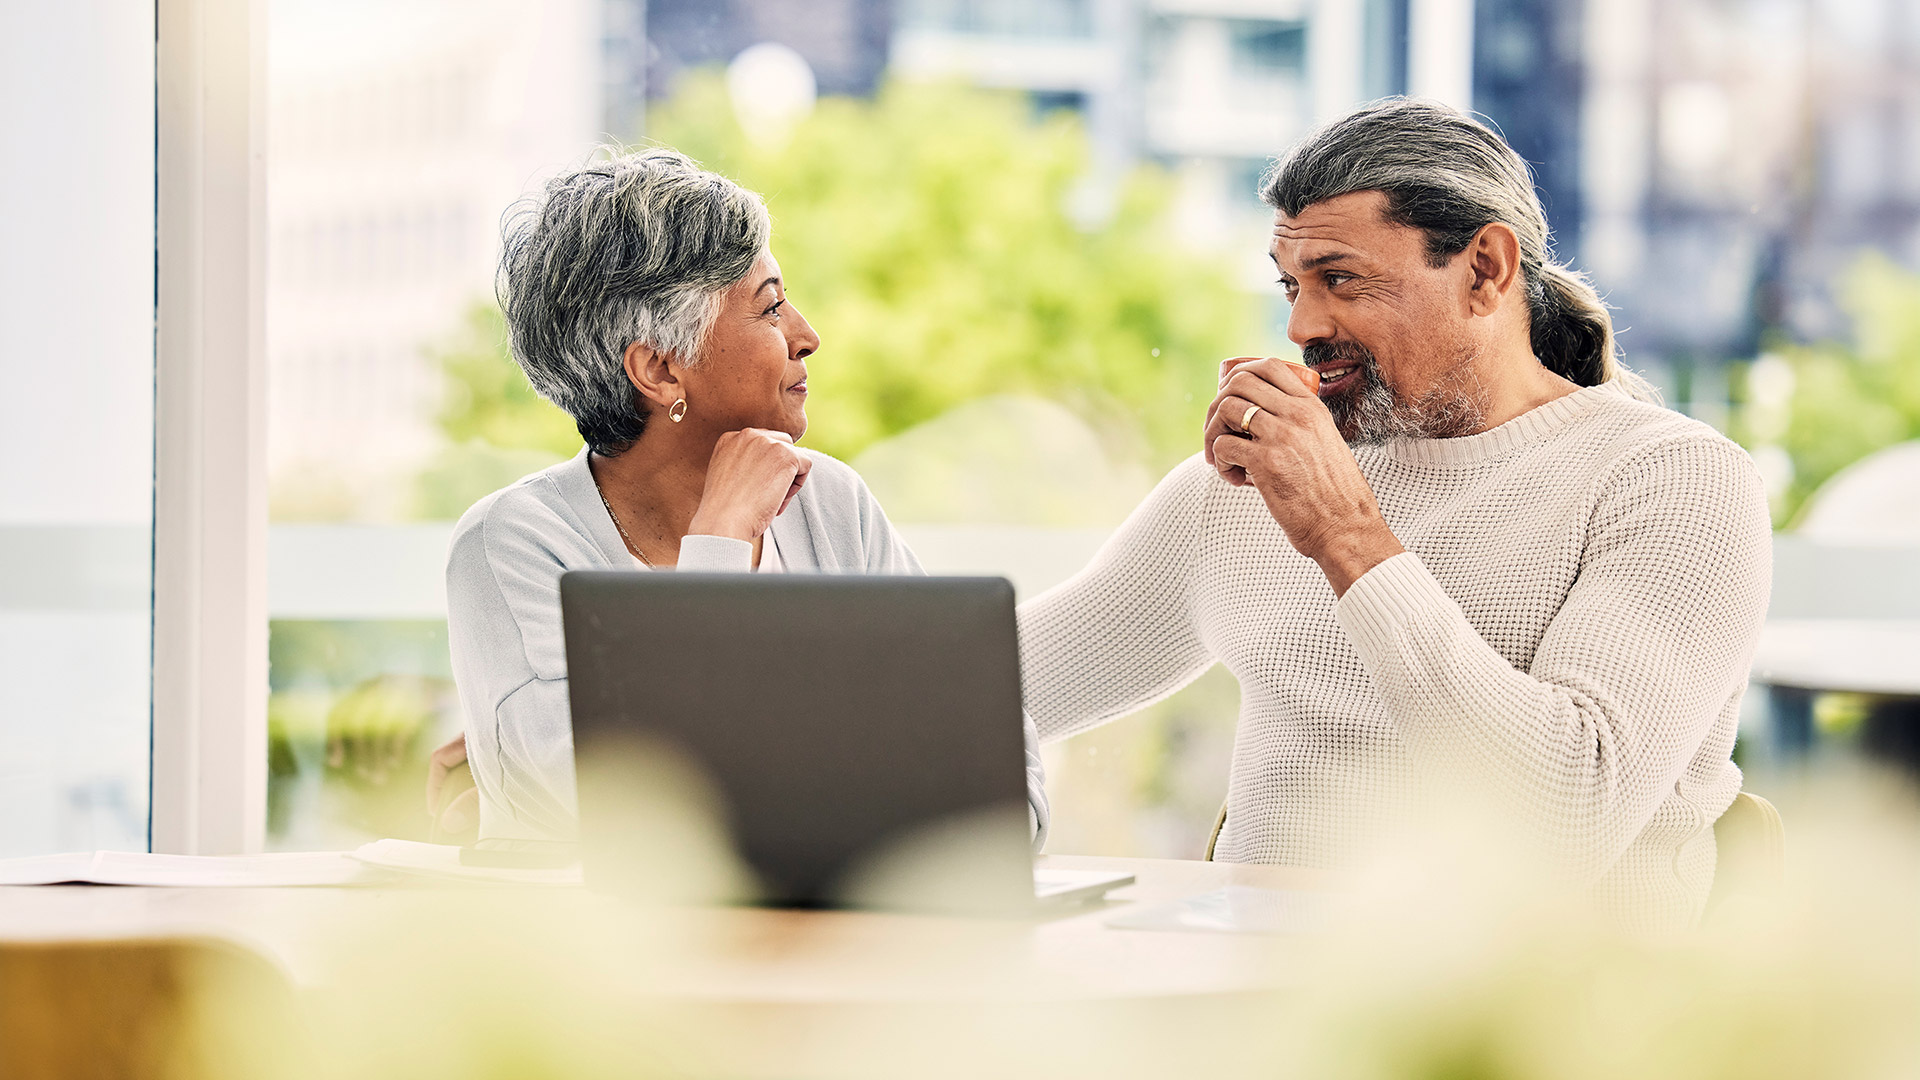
(209, 766)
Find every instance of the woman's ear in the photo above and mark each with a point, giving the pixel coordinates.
(1495, 259)
(651, 375)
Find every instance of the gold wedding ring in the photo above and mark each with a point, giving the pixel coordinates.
(1246, 421)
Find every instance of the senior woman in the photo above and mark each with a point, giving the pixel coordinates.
(642, 299)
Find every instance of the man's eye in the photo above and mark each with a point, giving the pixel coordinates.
(1337, 278)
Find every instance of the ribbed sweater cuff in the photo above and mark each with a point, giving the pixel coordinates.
(715, 555)
(1388, 600)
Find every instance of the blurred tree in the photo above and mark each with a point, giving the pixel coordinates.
(941, 241)
(497, 428)
(1844, 400)
(488, 400)
(928, 235)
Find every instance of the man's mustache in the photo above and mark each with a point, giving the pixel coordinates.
(1336, 354)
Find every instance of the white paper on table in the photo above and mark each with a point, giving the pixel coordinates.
(443, 861)
(273, 870)
(1237, 909)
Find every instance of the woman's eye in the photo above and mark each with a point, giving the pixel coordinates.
(775, 309)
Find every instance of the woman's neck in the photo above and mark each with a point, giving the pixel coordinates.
(654, 487)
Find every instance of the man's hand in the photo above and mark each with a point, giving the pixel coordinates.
(751, 478)
(1231, 364)
(1301, 466)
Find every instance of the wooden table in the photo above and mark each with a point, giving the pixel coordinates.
(750, 991)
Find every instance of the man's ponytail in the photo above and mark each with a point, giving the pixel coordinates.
(1573, 332)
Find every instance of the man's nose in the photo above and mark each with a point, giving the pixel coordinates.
(1307, 321)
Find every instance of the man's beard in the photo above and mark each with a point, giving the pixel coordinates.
(1371, 412)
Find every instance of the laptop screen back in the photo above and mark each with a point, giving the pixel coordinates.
(845, 723)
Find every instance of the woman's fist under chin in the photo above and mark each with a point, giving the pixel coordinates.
(753, 474)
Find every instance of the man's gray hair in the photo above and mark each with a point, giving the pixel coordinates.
(630, 248)
(1449, 176)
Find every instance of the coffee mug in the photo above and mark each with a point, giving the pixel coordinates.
(1307, 374)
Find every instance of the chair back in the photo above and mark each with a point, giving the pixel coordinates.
(1751, 838)
(1219, 822)
(1752, 844)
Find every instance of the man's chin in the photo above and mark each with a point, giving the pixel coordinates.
(1344, 419)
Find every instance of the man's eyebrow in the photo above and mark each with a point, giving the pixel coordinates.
(1314, 263)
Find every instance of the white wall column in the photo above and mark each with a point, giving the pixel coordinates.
(1440, 51)
(1336, 47)
(209, 604)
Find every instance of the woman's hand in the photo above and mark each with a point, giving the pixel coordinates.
(462, 811)
(753, 475)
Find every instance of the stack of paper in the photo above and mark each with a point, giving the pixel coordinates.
(443, 861)
(191, 871)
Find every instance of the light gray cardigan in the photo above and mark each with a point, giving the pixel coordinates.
(503, 620)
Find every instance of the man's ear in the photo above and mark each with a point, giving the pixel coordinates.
(651, 375)
(1494, 259)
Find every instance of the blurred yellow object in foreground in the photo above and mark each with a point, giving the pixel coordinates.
(179, 1008)
(1445, 962)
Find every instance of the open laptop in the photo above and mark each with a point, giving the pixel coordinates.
(860, 735)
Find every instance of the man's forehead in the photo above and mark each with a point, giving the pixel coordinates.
(1353, 222)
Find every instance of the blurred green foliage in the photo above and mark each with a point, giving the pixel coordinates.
(497, 428)
(488, 400)
(928, 237)
(354, 708)
(1850, 398)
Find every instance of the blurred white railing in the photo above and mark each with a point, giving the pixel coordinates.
(396, 571)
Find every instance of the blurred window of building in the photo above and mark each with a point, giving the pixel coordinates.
(1040, 18)
(76, 425)
(1050, 101)
(399, 133)
(1262, 48)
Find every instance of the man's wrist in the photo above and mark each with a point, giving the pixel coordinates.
(1346, 558)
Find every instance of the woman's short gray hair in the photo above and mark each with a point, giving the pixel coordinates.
(1448, 175)
(630, 248)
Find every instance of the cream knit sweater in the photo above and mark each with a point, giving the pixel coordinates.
(1568, 633)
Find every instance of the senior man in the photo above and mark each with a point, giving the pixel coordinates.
(1478, 558)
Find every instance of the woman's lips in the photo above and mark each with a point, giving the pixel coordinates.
(798, 388)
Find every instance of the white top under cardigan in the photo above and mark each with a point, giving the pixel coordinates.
(503, 619)
(1568, 633)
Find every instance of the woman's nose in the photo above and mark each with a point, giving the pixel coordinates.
(802, 342)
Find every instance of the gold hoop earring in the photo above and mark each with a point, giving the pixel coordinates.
(677, 411)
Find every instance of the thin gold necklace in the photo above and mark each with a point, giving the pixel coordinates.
(631, 546)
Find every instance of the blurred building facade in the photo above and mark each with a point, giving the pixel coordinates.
(398, 133)
(1209, 89)
(1736, 157)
